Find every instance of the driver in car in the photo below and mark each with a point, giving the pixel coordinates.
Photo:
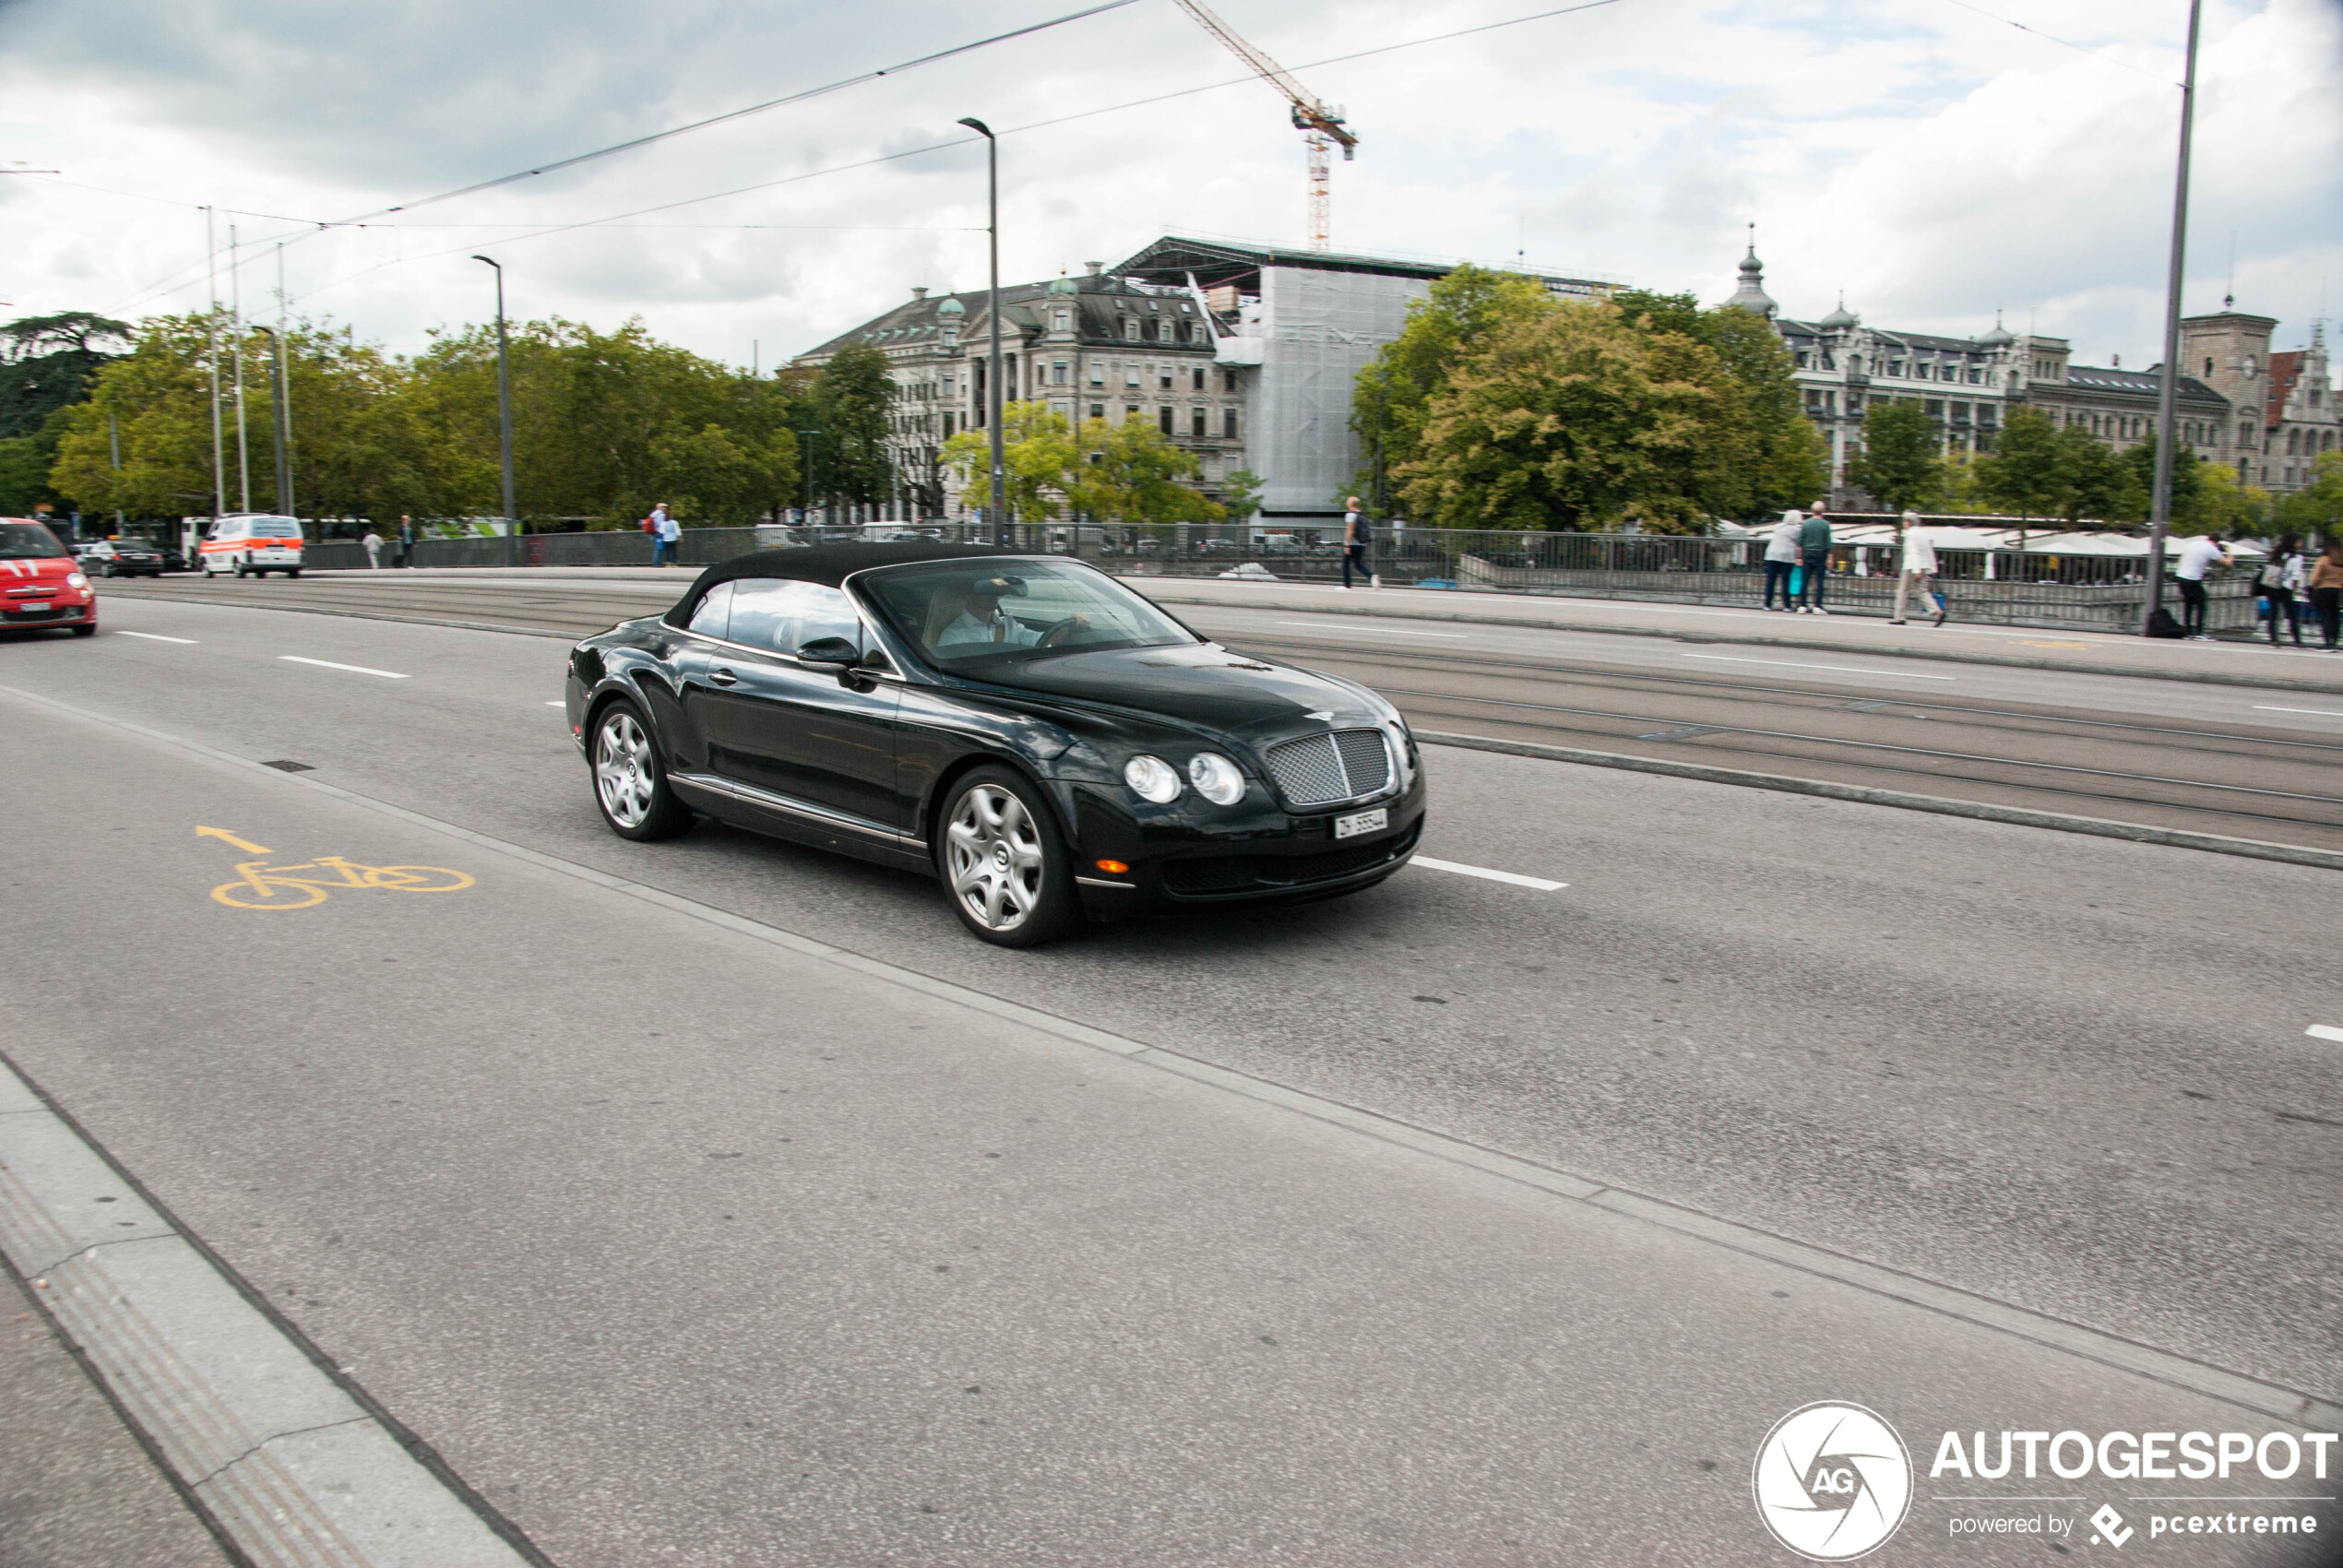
(972, 616)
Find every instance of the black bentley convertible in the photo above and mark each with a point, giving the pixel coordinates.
(1040, 737)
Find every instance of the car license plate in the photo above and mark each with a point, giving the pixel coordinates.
(31, 604)
(1362, 822)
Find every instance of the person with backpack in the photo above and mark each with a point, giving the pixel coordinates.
(1354, 543)
(2276, 585)
(664, 531)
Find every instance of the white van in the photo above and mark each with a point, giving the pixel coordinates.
(250, 543)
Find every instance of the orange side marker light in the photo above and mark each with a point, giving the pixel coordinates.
(1113, 868)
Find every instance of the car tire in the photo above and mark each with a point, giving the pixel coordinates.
(630, 783)
(243, 569)
(89, 631)
(1003, 864)
(107, 570)
(294, 573)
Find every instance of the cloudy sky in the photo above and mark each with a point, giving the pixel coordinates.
(1928, 158)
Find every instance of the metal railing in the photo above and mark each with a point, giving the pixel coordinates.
(2029, 588)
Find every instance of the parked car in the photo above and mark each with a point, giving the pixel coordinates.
(40, 584)
(122, 558)
(1027, 729)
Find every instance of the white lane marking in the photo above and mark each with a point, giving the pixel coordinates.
(1377, 631)
(353, 668)
(2324, 1032)
(557, 702)
(1843, 668)
(154, 636)
(2322, 712)
(1516, 878)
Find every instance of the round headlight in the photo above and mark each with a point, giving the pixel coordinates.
(1216, 779)
(1151, 779)
(75, 579)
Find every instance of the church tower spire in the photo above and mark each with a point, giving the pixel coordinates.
(1752, 296)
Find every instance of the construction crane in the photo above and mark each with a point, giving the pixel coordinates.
(1320, 122)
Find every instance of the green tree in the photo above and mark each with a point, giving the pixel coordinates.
(2315, 511)
(2022, 472)
(1134, 474)
(2135, 488)
(851, 401)
(1579, 418)
(2089, 475)
(1391, 399)
(1038, 459)
(1902, 462)
(1793, 462)
(48, 362)
(1240, 495)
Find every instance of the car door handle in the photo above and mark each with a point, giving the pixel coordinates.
(723, 677)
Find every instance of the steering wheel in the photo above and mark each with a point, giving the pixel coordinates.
(1058, 636)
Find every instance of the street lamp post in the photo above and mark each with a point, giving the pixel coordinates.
(279, 422)
(993, 311)
(2168, 388)
(505, 417)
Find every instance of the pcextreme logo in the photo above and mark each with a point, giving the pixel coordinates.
(1832, 1481)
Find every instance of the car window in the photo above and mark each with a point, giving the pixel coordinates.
(783, 615)
(276, 527)
(715, 612)
(28, 541)
(963, 610)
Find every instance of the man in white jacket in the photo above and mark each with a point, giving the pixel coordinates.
(1782, 558)
(1919, 572)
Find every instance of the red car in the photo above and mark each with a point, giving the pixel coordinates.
(40, 584)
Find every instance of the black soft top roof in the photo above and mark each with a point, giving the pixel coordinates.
(826, 563)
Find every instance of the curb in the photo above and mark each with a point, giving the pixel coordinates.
(2020, 816)
(2243, 1390)
(1760, 639)
(285, 1460)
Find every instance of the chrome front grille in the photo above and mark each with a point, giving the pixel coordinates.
(1318, 770)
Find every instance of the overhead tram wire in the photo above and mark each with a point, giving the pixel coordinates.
(806, 96)
(317, 226)
(618, 217)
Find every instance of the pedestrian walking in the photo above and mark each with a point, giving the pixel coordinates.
(2197, 559)
(406, 539)
(2326, 594)
(374, 543)
(1354, 541)
(1918, 572)
(1814, 559)
(2278, 583)
(1781, 558)
(665, 531)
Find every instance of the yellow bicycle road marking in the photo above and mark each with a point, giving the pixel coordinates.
(263, 887)
(226, 837)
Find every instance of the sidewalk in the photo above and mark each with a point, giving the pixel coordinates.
(2238, 663)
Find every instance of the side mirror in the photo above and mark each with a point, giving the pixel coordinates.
(835, 651)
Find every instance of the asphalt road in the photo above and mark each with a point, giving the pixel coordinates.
(2239, 761)
(2062, 1072)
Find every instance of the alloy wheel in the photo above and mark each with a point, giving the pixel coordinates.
(994, 848)
(623, 769)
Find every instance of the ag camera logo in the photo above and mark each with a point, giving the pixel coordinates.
(1832, 1481)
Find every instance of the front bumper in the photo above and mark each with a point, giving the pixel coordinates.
(60, 614)
(1200, 855)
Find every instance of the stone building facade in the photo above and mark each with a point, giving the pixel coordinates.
(1095, 347)
(1968, 386)
(2284, 402)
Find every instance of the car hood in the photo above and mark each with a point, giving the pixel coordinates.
(43, 571)
(1206, 687)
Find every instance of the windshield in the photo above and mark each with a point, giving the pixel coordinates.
(24, 541)
(967, 615)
